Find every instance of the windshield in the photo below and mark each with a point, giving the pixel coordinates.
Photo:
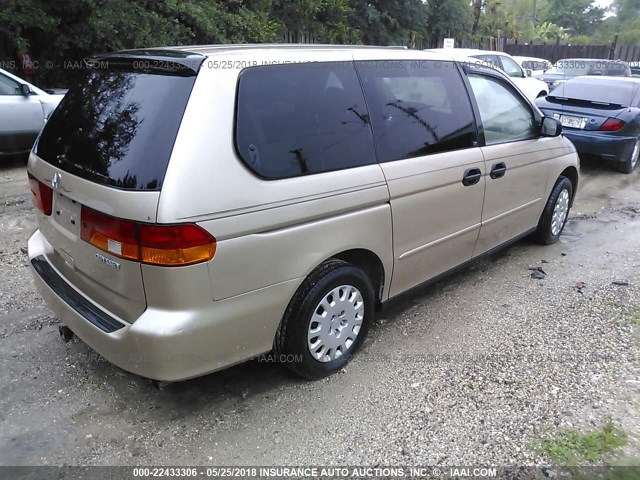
(117, 127)
(578, 67)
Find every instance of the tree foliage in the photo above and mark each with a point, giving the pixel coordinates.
(578, 17)
(74, 29)
(548, 31)
(627, 21)
(448, 18)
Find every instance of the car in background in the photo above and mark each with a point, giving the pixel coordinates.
(568, 68)
(533, 65)
(24, 108)
(531, 87)
(635, 68)
(601, 116)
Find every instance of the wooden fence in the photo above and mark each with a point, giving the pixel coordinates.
(629, 53)
(299, 37)
(554, 52)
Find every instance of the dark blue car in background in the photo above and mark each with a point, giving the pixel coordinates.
(601, 116)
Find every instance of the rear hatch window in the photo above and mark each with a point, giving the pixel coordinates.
(615, 92)
(117, 125)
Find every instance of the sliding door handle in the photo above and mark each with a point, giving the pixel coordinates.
(498, 170)
(471, 177)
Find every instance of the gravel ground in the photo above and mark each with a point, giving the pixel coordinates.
(474, 370)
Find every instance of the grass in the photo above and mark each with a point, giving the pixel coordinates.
(633, 315)
(573, 447)
(630, 313)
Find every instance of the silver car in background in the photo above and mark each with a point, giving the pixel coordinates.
(24, 108)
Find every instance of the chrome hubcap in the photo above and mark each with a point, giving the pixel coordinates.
(634, 155)
(560, 212)
(335, 323)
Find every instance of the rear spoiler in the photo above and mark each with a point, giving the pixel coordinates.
(168, 62)
(552, 98)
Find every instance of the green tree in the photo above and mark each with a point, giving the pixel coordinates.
(627, 21)
(74, 29)
(327, 20)
(387, 22)
(578, 17)
(448, 18)
(629, 32)
(548, 31)
(493, 22)
(627, 9)
(477, 13)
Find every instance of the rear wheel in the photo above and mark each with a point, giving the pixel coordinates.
(556, 211)
(326, 321)
(629, 164)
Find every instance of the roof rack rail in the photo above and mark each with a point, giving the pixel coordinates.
(240, 46)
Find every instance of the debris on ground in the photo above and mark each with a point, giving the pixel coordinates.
(538, 273)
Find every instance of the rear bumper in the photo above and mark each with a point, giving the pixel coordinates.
(601, 145)
(162, 344)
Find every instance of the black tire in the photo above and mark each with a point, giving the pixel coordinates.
(290, 344)
(544, 234)
(629, 164)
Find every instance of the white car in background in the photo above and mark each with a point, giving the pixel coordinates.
(531, 87)
(533, 65)
(24, 108)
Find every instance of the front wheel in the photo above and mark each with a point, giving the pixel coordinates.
(555, 214)
(629, 163)
(326, 321)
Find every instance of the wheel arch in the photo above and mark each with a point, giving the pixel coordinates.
(370, 264)
(572, 174)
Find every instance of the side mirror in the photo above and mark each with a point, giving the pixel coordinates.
(529, 72)
(25, 89)
(550, 127)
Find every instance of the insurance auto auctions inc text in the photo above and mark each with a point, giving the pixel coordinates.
(374, 472)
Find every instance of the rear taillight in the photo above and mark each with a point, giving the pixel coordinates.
(612, 125)
(166, 245)
(41, 195)
(110, 234)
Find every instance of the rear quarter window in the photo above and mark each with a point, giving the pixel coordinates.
(302, 119)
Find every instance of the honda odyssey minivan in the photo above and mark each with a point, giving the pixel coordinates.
(201, 206)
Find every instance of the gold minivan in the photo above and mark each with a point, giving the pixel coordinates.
(201, 206)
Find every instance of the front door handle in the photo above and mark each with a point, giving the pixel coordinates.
(498, 170)
(471, 177)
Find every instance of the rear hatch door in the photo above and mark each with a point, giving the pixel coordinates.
(106, 148)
